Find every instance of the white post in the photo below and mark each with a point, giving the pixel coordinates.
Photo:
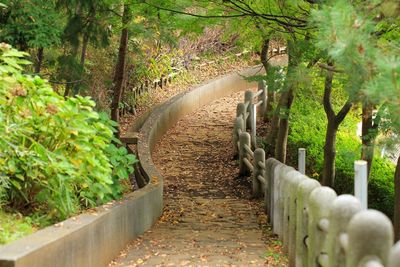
(253, 124)
(302, 161)
(361, 183)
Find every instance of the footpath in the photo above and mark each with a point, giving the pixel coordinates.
(209, 218)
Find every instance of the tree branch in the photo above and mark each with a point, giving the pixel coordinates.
(343, 112)
(329, 68)
(330, 113)
(246, 13)
(196, 15)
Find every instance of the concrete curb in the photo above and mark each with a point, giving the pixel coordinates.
(94, 239)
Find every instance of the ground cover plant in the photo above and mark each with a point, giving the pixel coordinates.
(57, 155)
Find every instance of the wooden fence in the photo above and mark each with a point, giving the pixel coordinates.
(317, 227)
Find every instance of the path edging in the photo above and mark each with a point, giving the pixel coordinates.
(94, 239)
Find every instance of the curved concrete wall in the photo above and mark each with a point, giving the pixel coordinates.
(94, 239)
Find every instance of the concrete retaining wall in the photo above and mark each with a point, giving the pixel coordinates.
(94, 239)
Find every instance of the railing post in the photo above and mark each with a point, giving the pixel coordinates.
(271, 166)
(361, 182)
(287, 184)
(241, 112)
(343, 209)
(302, 161)
(248, 100)
(263, 97)
(370, 239)
(259, 156)
(303, 195)
(281, 195)
(394, 257)
(237, 128)
(294, 185)
(244, 139)
(253, 125)
(320, 202)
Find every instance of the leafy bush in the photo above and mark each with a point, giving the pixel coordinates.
(56, 154)
(307, 129)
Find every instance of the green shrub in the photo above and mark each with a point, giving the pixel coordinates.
(307, 129)
(56, 153)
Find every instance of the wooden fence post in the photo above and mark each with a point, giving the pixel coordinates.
(244, 139)
(259, 157)
(370, 239)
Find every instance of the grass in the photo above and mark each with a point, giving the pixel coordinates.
(14, 226)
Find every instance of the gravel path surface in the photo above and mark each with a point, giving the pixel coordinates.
(209, 218)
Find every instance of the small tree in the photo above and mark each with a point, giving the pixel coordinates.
(371, 62)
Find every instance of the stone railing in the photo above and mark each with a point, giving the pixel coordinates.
(149, 85)
(317, 227)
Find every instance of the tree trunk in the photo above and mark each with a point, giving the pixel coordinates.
(285, 103)
(67, 89)
(39, 60)
(369, 132)
(328, 173)
(271, 93)
(273, 133)
(120, 67)
(334, 120)
(281, 141)
(85, 43)
(397, 201)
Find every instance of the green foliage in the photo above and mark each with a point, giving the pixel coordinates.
(25, 25)
(307, 129)
(57, 155)
(13, 227)
(363, 40)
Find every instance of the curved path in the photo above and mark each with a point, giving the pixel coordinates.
(209, 219)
